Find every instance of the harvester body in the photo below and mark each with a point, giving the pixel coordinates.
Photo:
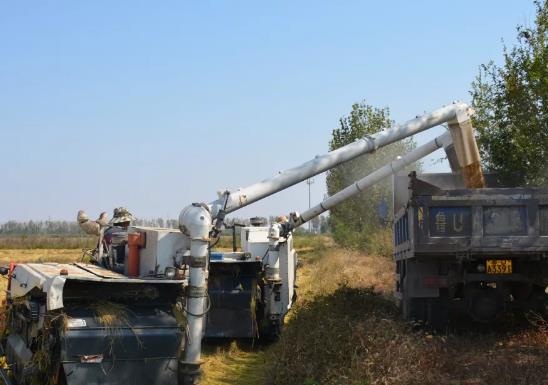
(83, 324)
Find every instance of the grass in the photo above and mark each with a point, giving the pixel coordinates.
(39, 255)
(346, 329)
(234, 362)
(46, 241)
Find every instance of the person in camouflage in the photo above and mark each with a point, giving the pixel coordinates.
(111, 247)
(115, 239)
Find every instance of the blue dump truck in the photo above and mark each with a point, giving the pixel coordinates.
(481, 252)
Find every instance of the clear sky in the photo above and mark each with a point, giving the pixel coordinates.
(154, 105)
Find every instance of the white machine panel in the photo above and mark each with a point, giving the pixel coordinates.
(254, 240)
(162, 246)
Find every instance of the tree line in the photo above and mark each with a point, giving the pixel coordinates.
(511, 121)
(59, 227)
(71, 228)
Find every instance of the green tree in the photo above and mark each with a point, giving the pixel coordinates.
(356, 222)
(512, 107)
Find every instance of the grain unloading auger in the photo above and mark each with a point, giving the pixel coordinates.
(53, 307)
(201, 221)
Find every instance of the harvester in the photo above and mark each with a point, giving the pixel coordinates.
(144, 322)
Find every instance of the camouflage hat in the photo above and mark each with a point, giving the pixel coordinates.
(121, 214)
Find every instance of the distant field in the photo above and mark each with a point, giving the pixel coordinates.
(46, 242)
(32, 242)
(39, 255)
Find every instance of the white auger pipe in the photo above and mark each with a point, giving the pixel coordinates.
(371, 179)
(457, 112)
(195, 222)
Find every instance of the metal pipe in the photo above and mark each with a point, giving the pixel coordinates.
(195, 222)
(376, 176)
(134, 241)
(242, 197)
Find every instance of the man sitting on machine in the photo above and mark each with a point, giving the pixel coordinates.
(111, 235)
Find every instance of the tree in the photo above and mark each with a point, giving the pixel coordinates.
(354, 221)
(511, 103)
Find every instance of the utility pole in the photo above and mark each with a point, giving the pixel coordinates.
(309, 182)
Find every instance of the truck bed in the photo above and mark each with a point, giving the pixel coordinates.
(479, 222)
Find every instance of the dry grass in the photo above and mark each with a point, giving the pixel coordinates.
(234, 362)
(247, 362)
(346, 329)
(46, 241)
(39, 255)
(111, 315)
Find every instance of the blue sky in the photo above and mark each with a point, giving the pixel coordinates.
(154, 105)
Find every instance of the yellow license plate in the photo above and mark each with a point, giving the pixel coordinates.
(498, 266)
